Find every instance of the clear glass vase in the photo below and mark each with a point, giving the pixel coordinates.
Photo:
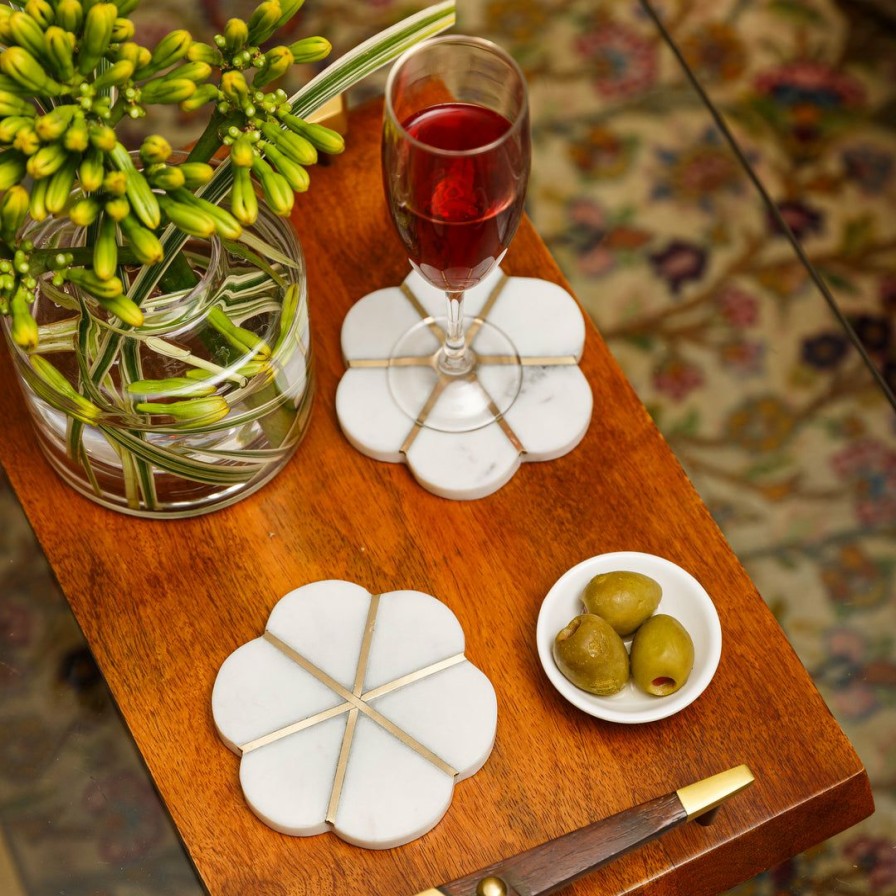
(193, 410)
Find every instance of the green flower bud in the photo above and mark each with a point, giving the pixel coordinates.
(191, 412)
(96, 36)
(155, 149)
(263, 21)
(161, 90)
(70, 15)
(200, 52)
(236, 35)
(118, 208)
(85, 410)
(13, 210)
(55, 123)
(116, 75)
(196, 174)
(77, 136)
(143, 241)
(84, 211)
(277, 61)
(181, 386)
(310, 49)
(205, 93)
(46, 160)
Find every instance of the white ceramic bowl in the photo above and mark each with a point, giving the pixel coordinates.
(683, 597)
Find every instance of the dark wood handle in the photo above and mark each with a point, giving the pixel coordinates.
(546, 868)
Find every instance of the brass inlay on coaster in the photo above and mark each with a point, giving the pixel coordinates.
(356, 702)
(443, 380)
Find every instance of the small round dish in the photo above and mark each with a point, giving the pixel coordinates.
(683, 597)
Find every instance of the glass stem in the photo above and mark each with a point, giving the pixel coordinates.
(455, 359)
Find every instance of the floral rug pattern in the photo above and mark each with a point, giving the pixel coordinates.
(699, 294)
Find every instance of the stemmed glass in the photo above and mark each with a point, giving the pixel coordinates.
(456, 157)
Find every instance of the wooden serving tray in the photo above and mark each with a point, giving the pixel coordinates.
(163, 603)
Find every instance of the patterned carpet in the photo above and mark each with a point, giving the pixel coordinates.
(725, 338)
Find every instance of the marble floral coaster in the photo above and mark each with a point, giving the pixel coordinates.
(548, 419)
(356, 713)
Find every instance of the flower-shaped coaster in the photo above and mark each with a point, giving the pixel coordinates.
(355, 713)
(548, 418)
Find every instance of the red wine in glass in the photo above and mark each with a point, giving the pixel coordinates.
(456, 155)
(460, 211)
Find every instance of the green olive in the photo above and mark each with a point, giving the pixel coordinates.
(662, 655)
(624, 599)
(592, 656)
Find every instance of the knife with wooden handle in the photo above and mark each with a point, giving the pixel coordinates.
(551, 866)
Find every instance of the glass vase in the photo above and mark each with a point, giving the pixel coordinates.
(196, 408)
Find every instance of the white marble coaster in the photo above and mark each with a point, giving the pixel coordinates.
(355, 713)
(548, 419)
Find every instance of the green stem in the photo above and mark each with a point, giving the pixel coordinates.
(209, 142)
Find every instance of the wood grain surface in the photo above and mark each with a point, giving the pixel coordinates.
(163, 603)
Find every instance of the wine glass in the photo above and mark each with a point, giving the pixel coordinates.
(456, 156)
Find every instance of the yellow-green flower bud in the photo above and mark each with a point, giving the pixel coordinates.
(188, 218)
(125, 309)
(196, 174)
(91, 170)
(171, 48)
(242, 152)
(166, 177)
(102, 137)
(143, 241)
(116, 75)
(277, 61)
(28, 33)
(46, 160)
(239, 337)
(205, 93)
(12, 168)
(60, 186)
(77, 136)
(288, 9)
(10, 104)
(54, 124)
(234, 87)
(191, 412)
(310, 49)
(122, 30)
(13, 209)
(118, 208)
(162, 90)
(236, 34)
(97, 35)
(155, 149)
(84, 211)
(243, 201)
(200, 52)
(10, 125)
(277, 191)
(170, 387)
(323, 138)
(190, 71)
(84, 409)
(26, 141)
(115, 183)
(60, 52)
(263, 21)
(41, 12)
(70, 15)
(24, 327)
(102, 289)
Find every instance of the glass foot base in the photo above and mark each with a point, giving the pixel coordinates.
(454, 402)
